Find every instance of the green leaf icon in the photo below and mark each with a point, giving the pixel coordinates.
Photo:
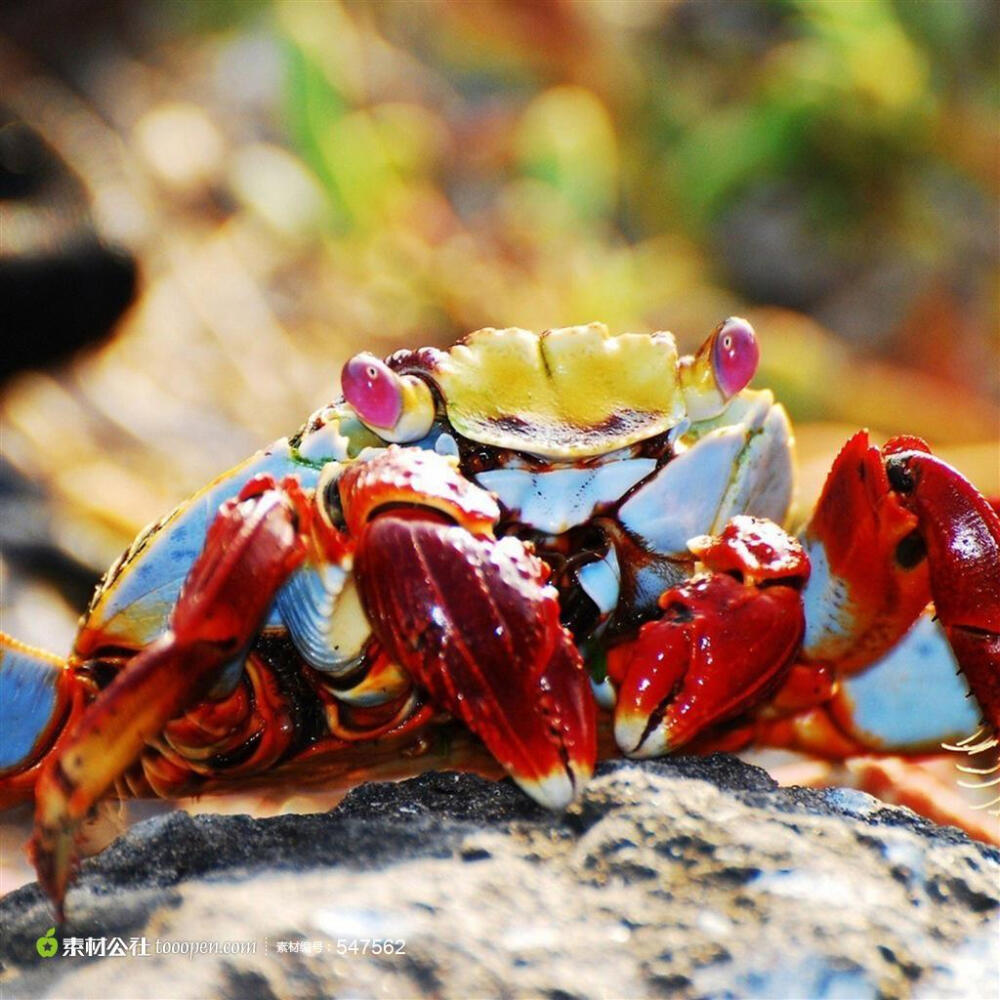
(47, 945)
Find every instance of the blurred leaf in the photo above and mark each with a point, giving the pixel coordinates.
(312, 106)
(875, 62)
(728, 150)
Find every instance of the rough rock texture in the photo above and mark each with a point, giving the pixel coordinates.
(681, 878)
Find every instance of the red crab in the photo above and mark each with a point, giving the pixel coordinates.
(528, 550)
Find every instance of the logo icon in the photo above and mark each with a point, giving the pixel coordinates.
(47, 945)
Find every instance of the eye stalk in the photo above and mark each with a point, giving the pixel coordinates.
(398, 408)
(723, 366)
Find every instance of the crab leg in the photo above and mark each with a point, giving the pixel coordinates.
(893, 529)
(870, 578)
(252, 546)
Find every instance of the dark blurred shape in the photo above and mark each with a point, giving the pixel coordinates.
(25, 164)
(58, 31)
(719, 28)
(56, 303)
(27, 544)
(61, 287)
(771, 253)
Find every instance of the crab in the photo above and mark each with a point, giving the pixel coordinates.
(517, 556)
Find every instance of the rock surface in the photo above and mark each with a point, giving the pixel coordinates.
(689, 877)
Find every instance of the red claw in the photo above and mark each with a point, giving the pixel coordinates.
(961, 533)
(755, 548)
(419, 481)
(722, 646)
(869, 579)
(473, 622)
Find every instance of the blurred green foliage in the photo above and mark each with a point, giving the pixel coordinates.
(652, 162)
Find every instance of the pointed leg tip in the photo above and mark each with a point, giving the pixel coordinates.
(53, 853)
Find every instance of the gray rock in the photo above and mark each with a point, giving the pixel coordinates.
(687, 877)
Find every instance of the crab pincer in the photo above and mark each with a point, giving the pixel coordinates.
(472, 619)
(726, 641)
(894, 528)
(960, 532)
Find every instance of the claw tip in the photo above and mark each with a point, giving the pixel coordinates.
(556, 791)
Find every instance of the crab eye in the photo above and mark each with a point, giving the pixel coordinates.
(734, 355)
(373, 389)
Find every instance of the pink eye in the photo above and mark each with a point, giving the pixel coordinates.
(734, 355)
(373, 389)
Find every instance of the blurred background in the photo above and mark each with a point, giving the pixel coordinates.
(206, 207)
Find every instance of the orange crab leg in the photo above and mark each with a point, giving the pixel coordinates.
(892, 529)
(252, 546)
(869, 580)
